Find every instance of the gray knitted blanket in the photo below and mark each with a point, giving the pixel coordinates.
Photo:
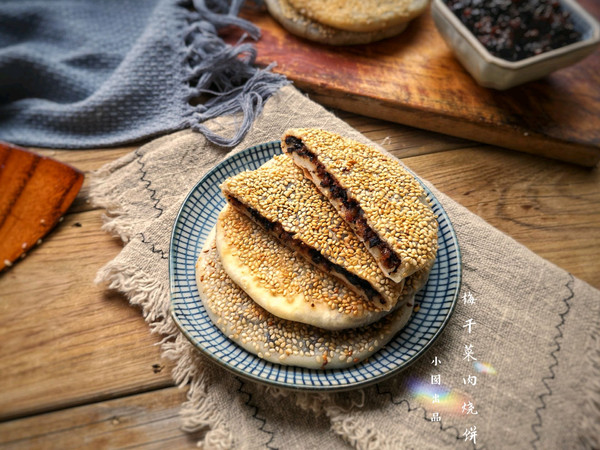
(86, 73)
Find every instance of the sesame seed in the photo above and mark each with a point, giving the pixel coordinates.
(245, 322)
(280, 193)
(314, 297)
(395, 205)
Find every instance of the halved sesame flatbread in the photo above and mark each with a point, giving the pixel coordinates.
(283, 283)
(282, 341)
(282, 200)
(361, 15)
(300, 25)
(379, 199)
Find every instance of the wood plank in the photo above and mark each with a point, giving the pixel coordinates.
(149, 420)
(89, 159)
(550, 207)
(66, 341)
(36, 192)
(86, 161)
(415, 79)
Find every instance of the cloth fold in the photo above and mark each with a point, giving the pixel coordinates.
(516, 367)
(81, 74)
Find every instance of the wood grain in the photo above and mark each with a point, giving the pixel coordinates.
(149, 420)
(79, 363)
(66, 341)
(36, 192)
(550, 207)
(415, 79)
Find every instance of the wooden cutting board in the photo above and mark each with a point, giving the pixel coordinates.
(35, 192)
(415, 79)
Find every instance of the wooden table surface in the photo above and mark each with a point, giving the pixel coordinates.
(79, 366)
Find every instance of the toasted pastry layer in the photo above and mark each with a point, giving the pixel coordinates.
(361, 15)
(284, 284)
(379, 199)
(300, 25)
(282, 341)
(280, 198)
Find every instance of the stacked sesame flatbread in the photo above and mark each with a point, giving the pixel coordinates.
(347, 22)
(289, 275)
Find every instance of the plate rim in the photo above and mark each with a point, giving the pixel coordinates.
(296, 387)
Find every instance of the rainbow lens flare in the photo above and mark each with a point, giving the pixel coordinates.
(448, 401)
(483, 367)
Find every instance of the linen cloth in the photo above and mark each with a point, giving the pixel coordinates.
(86, 73)
(535, 328)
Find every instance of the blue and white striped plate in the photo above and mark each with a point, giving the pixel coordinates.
(195, 220)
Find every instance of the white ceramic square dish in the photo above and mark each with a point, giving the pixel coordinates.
(491, 71)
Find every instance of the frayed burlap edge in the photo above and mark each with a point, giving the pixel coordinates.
(590, 425)
(198, 413)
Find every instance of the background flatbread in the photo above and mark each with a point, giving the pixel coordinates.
(281, 341)
(300, 25)
(360, 15)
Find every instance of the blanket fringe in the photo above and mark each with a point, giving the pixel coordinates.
(223, 74)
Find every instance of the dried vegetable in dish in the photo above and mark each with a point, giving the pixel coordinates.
(517, 30)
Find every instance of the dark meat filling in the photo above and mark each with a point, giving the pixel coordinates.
(353, 213)
(316, 257)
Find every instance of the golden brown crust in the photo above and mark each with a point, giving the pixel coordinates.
(281, 341)
(394, 204)
(285, 285)
(360, 15)
(300, 25)
(281, 194)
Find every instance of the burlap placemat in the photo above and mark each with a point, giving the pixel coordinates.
(518, 365)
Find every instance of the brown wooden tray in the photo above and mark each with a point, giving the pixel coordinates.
(415, 79)
(35, 192)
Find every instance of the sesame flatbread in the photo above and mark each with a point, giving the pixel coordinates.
(284, 284)
(360, 15)
(282, 200)
(281, 341)
(300, 25)
(380, 200)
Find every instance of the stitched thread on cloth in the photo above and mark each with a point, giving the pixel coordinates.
(554, 364)
(590, 411)
(198, 413)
